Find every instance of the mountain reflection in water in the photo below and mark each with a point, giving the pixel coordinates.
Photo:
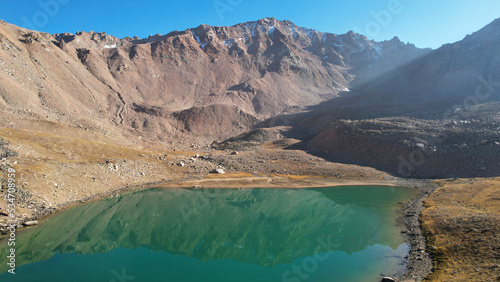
(264, 227)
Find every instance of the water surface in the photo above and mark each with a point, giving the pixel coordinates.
(345, 233)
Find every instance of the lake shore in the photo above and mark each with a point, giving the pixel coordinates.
(55, 182)
(419, 262)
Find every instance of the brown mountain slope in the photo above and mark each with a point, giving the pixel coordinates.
(212, 83)
(458, 75)
(454, 93)
(260, 68)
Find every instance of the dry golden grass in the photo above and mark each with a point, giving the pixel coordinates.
(57, 169)
(295, 177)
(229, 175)
(462, 219)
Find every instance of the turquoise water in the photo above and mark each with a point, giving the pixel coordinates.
(327, 234)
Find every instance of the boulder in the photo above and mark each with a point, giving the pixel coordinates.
(30, 223)
(219, 171)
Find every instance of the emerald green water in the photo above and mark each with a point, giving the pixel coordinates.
(328, 234)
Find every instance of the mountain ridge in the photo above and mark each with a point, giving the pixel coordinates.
(211, 83)
(246, 66)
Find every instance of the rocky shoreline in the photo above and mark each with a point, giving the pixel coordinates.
(419, 261)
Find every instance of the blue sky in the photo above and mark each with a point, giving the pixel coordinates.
(425, 23)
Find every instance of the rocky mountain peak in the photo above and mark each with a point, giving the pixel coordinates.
(250, 71)
(490, 33)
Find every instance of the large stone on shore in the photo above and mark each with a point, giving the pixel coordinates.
(219, 171)
(30, 223)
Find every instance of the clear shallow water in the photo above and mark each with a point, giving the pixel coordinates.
(327, 234)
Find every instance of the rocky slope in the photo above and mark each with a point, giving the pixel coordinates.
(413, 147)
(213, 83)
(436, 116)
(166, 86)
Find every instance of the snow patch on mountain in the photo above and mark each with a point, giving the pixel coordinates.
(202, 45)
